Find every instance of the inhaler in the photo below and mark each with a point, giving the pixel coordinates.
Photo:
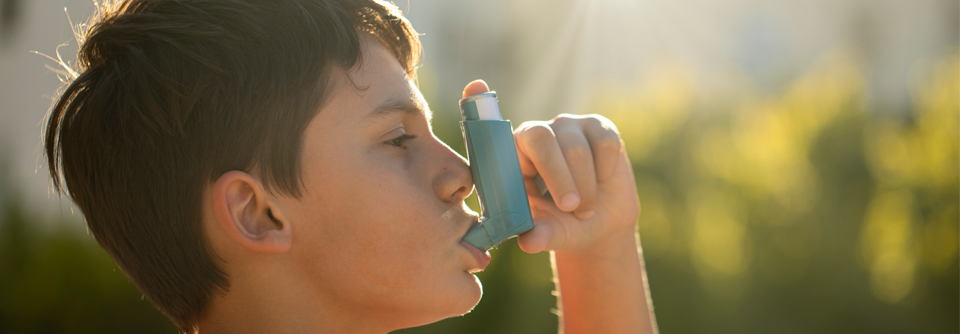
(496, 172)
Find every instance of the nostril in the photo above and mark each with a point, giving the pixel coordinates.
(462, 193)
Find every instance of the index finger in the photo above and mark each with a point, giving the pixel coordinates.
(538, 146)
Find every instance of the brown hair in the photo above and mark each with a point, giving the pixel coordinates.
(170, 94)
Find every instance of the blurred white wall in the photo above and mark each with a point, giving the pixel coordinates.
(541, 55)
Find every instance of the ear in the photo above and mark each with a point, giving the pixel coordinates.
(245, 212)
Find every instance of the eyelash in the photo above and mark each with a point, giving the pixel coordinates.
(400, 141)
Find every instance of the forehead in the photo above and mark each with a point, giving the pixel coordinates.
(377, 80)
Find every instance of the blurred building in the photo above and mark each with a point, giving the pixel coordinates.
(544, 56)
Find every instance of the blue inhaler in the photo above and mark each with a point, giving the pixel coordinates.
(496, 172)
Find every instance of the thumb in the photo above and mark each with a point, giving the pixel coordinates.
(556, 230)
(548, 233)
(475, 87)
(545, 235)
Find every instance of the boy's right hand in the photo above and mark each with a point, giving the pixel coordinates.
(581, 159)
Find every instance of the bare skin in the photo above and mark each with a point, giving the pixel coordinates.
(372, 245)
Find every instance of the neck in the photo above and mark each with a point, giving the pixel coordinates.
(251, 306)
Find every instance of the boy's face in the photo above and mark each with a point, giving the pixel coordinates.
(378, 227)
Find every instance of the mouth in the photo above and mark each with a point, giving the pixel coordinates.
(481, 257)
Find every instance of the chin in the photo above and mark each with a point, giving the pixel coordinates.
(465, 297)
(471, 298)
(461, 298)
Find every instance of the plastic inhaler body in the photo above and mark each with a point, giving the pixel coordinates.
(496, 172)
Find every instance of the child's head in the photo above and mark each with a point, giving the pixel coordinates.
(247, 149)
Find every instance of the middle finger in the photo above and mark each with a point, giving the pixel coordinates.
(579, 157)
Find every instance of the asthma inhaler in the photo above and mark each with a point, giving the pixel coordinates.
(496, 172)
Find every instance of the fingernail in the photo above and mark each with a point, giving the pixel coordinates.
(569, 202)
(585, 215)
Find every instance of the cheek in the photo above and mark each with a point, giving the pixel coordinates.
(375, 235)
(380, 227)
(395, 240)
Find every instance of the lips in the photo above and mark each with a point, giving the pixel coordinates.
(482, 257)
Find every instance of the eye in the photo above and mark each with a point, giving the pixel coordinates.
(400, 142)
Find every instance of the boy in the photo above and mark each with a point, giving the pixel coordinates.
(269, 166)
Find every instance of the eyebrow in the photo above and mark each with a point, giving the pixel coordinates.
(405, 106)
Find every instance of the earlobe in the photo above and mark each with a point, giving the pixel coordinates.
(248, 215)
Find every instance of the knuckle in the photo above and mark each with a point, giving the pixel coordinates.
(537, 132)
(605, 123)
(599, 118)
(560, 123)
(594, 120)
(564, 117)
(608, 144)
(609, 126)
(577, 152)
(568, 121)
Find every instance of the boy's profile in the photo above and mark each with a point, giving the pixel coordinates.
(269, 167)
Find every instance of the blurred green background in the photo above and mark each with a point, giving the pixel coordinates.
(796, 198)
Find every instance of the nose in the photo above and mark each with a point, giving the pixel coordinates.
(453, 181)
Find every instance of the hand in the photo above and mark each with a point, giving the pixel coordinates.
(582, 161)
